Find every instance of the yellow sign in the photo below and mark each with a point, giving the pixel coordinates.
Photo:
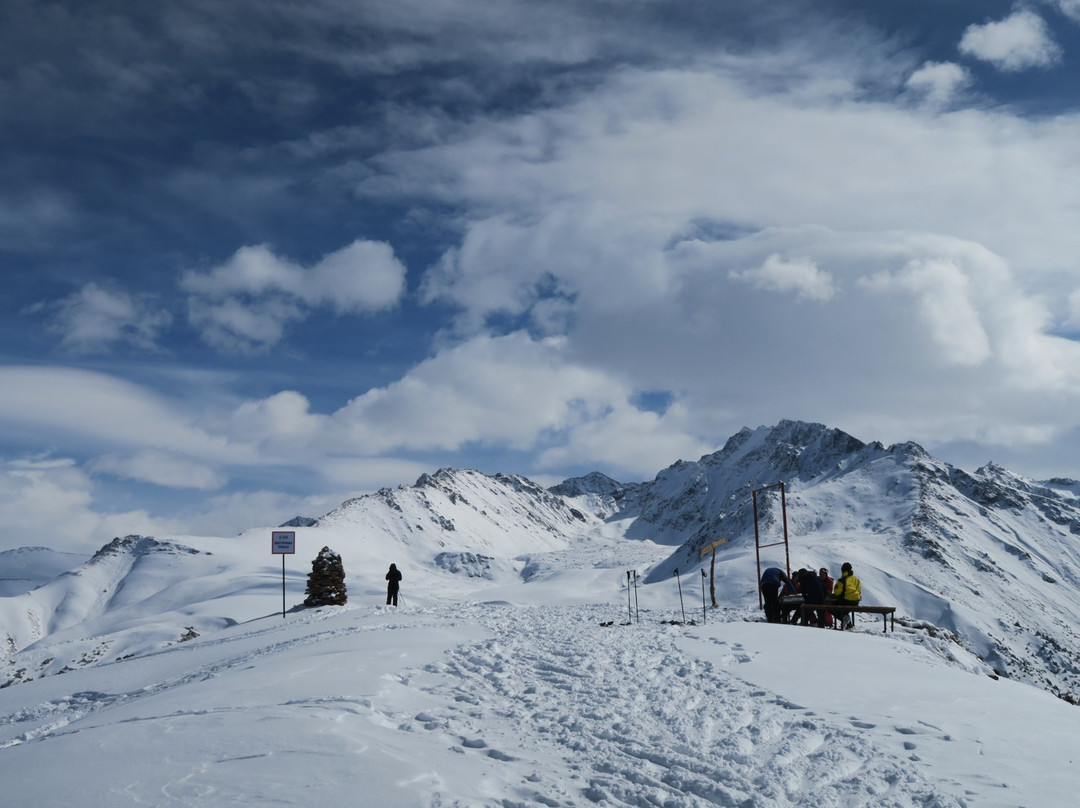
(713, 546)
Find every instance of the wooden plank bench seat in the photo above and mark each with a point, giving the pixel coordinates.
(888, 613)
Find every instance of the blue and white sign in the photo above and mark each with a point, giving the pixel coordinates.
(283, 542)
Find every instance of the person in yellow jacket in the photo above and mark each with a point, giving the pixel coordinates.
(847, 591)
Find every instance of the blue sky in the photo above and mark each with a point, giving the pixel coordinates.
(260, 257)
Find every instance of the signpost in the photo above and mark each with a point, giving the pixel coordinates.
(712, 567)
(283, 543)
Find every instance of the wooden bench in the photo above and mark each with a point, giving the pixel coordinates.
(888, 613)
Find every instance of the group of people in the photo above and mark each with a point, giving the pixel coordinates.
(784, 595)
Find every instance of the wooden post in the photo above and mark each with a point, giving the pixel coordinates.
(712, 567)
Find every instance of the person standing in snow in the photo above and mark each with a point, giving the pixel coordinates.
(393, 576)
(848, 592)
(771, 580)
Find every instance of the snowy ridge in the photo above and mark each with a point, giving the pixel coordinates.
(988, 558)
(460, 510)
(521, 670)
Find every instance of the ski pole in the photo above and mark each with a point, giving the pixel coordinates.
(703, 597)
(681, 604)
(629, 614)
(637, 606)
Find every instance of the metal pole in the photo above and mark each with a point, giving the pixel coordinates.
(681, 604)
(282, 586)
(629, 613)
(783, 509)
(757, 549)
(637, 606)
(703, 597)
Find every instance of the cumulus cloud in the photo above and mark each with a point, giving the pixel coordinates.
(801, 276)
(1070, 8)
(50, 502)
(95, 319)
(498, 390)
(247, 303)
(939, 83)
(1020, 41)
(512, 391)
(944, 305)
(626, 438)
(242, 326)
(643, 270)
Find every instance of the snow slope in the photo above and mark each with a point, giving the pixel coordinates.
(516, 671)
(471, 701)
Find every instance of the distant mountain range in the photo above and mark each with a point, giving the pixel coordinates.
(989, 559)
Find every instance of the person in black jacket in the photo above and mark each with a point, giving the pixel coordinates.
(393, 576)
(813, 592)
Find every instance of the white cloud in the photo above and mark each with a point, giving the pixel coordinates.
(160, 468)
(52, 502)
(635, 441)
(358, 474)
(1070, 8)
(240, 326)
(98, 410)
(944, 305)
(503, 391)
(800, 276)
(1020, 41)
(49, 502)
(247, 303)
(94, 319)
(618, 219)
(1073, 318)
(939, 83)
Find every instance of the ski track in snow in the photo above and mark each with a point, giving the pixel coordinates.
(640, 724)
(55, 716)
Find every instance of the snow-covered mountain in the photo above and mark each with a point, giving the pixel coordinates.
(989, 559)
(523, 669)
(26, 568)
